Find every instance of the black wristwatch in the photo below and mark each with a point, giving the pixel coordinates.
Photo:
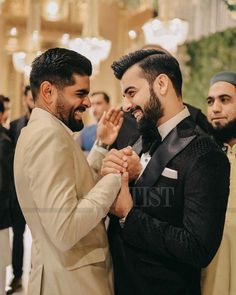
(102, 145)
(122, 221)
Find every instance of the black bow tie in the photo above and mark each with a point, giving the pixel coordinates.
(151, 144)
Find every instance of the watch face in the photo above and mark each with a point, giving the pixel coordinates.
(102, 145)
(122, 222)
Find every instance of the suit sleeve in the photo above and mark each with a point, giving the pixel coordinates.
(66, 215)
(197, 240)
(6, 182)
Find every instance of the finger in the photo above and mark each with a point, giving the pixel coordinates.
(115, 160)
(103, 118)
(114, 112)
(119, 154)
(108, 170)
(118, 117)
(125, 179)
(128, 151)
(120, 167)
(109, 113)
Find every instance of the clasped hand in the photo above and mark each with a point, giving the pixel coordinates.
(126, 162)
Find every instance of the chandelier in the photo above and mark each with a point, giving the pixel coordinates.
(169, 33)
(22, 59)
(91, 45)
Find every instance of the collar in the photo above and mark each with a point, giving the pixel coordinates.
(230, 149)
(39, 112)
(165, 128)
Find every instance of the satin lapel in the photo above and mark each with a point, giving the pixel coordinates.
(137, 146)
(171, 146)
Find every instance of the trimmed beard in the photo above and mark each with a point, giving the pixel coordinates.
(147, 125)
(224, 134)
(68, 117)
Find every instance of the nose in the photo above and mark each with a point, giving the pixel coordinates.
(127, 104)
(216, 107)
(87, 102)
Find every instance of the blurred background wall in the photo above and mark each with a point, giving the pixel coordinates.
(200, 33)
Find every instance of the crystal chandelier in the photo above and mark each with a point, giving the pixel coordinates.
(91, 45)
(169, 33)
(22, 59)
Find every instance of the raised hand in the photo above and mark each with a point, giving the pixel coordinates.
(109, 126)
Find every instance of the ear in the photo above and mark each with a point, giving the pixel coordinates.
(46, 91)
(161, 84)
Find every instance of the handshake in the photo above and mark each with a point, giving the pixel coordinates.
(126, 162)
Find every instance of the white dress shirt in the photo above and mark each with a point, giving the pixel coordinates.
(164, 129)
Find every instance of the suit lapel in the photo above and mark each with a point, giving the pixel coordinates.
(173, 144)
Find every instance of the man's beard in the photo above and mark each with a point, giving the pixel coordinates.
(68, 117)
(225, 133)
(29, 109)
(147, 125)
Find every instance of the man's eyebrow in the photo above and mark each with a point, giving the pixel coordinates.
(209, 97)
(220, 96)
(128, 88)
(83, 91)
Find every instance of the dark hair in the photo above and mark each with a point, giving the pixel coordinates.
(3, 99)
(2, 108)
(105, 95)
(153, 62)
(26, 90)
(58, 65)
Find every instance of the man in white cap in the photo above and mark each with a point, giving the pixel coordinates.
(219, 277)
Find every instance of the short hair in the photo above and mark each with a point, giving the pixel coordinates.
(58, 65)
(2, 107)
(26, 89)
(3, 99)
(105, 95)
(152, 62)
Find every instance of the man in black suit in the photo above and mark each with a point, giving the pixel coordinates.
(170, 224)
(6, 195)
(18, 221)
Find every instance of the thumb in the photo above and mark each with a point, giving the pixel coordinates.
(103, 118)
(128, 151)
(125, 179)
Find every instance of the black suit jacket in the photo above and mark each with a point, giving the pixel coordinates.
(18, 219)
(176, 225)
(6, 178)
(15, 128)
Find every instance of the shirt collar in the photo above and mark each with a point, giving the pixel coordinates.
(230, 149)
(165, 128)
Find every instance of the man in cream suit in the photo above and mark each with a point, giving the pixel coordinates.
(63, 207)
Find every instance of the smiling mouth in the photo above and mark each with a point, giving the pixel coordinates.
(218, 118)
(137, 111)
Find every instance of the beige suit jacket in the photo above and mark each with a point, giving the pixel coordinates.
(64, 210)
(219, 278)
